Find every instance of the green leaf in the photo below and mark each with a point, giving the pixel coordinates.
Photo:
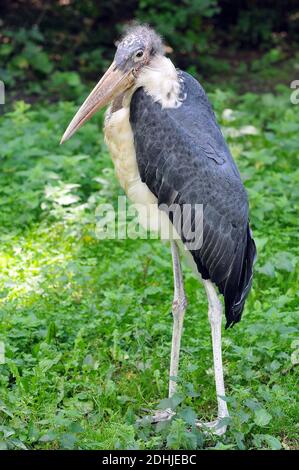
(262, 417)
(48, 437)
(177, 399)
(284, 261)
(3, 445)
(6, 49)
(295, 357)
(67, 199)
(190, 390)
(68, 441)
(188, 415)
(267, 269)
(164, 404)
(46, 364)
(5, 410)
(272, 442)
(172, 402)
(51, 333)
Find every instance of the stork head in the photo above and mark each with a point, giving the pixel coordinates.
(134, 51)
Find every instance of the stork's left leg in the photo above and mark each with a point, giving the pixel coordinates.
(179, 305)
(215, 317)
(178, 311)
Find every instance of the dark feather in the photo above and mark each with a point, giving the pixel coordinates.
(183, 158)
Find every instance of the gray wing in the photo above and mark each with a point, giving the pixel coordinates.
(183, 159)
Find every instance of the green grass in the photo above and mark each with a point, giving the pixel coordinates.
(86, 323)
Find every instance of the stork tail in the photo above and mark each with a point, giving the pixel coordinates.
(236, 287)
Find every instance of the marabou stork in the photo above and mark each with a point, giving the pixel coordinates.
(168, 148)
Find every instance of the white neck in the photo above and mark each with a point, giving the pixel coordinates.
(160, 80)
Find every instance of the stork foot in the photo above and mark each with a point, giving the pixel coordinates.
(215, 427)
(158, 416)
(162, 415)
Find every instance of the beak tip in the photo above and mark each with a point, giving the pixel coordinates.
(64, 138)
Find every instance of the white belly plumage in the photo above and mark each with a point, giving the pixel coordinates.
(120, 141)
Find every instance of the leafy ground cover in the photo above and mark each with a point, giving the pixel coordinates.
(86, 324)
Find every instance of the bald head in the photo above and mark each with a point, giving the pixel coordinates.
(137, 47)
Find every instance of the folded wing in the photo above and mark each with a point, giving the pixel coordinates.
(183, 159)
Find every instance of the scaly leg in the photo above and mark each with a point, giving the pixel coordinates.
(215, 317)
(178, 311)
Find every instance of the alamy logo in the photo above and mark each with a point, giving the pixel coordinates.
(294, 98)
(2, 93)
(2, 353)
(148, 221)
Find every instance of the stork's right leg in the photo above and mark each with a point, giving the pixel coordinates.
(178, 311)
(215, 318)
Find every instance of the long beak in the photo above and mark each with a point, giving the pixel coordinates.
(111, 84)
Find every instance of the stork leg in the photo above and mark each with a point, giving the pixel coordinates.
(179, 305)
(215, 317)
(178, 311)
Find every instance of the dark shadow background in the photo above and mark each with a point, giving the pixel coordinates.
(41, 42)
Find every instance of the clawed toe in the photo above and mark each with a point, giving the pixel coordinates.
(215, 427)
(158, 416)
(162, 415)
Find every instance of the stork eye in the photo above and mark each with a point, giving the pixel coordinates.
(139, 54)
